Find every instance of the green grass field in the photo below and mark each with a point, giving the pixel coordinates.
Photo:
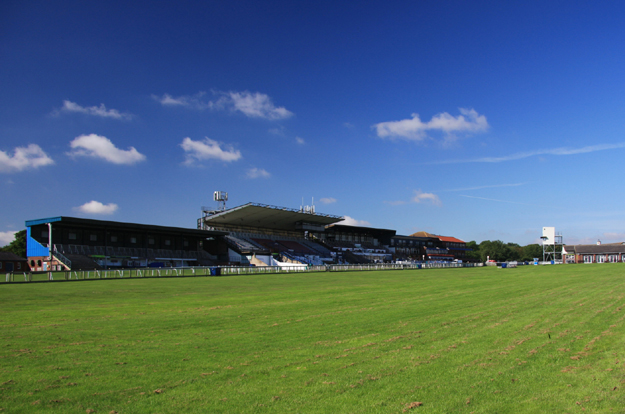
(482, 340)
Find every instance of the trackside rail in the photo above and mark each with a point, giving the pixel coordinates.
(25, 277)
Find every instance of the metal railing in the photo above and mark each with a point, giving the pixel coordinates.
(50, 276)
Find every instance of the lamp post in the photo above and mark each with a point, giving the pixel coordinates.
(544, 238)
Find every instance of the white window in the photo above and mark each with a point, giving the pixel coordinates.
(601, 258)
(587, 258)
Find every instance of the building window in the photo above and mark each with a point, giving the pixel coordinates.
(32, 263)
(44, 233)
(39, 263)
(19, 265)
(167, 242)
(186, 243)
(72, 236)
(133, 240)
(150, 241)
(93, 237)
(113, 239)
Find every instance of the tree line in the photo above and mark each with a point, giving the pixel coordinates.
(503, 252)
(18, 245)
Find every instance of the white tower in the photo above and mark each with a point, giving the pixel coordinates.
(552, 244)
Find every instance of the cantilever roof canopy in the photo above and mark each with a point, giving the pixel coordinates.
(255, 215)
(121, 226)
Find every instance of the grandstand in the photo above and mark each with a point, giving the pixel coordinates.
(69, 243)
(250, 234)
(268, 235)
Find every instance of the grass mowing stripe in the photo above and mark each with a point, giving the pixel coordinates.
(485, 340)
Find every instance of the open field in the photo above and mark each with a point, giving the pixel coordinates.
(483, 340)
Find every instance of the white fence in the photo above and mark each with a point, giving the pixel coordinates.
(210, 271)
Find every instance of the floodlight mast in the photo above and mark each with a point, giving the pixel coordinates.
(221, 197)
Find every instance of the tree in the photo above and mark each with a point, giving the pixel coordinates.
(18, 245)
(531, 251)
(499, 251)
(473, 254)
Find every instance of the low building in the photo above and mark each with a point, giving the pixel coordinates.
(594, 253)
(10, 262)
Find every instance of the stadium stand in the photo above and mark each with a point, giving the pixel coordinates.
(251, 234)
(68, 243)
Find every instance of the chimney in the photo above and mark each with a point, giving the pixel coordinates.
(598, 242)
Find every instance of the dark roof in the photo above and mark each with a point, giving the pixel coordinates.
(596, 248)
(11, 256)
(267, 217)
(90, 223)
(344, 228)
(401, 237)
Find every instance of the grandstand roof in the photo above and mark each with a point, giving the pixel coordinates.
(256, 215)
(90, 223)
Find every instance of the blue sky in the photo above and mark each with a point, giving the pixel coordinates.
(479, 120)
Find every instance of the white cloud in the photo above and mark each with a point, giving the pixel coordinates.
(207, 150)
(101, 111)
(257, 173)
(253, 105)
(97, 146)
(256, 105)
(300, 140)
(348, 125)
(23, 158)
(95, 207)
(547, 151)
(421, 197)
(190, 101)
(349, 221)
(6, 237)
(328, 200)
(416, 130)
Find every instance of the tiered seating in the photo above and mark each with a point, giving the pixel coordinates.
(317, 248)
(243, 244)
(296, 247)
(82, 262)
(271, 245)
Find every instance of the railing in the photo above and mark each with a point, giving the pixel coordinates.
(59, 256)
(16, 277)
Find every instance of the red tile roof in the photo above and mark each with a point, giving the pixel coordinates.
(450, 239)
